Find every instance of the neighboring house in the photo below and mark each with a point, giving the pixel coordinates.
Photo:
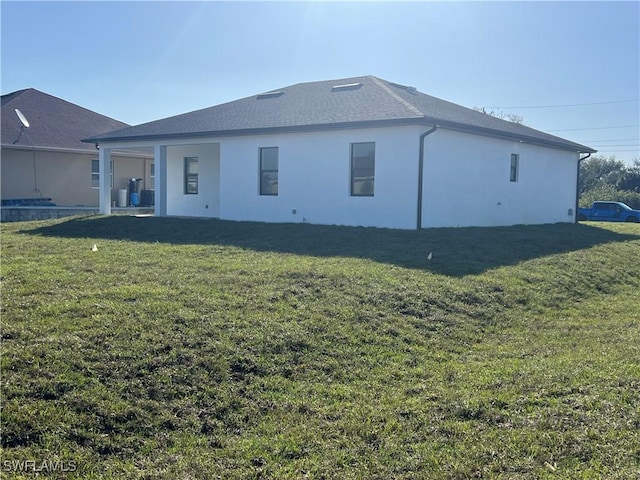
(48, 158)
(358, 151)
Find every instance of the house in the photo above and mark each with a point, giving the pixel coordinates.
(357, 151)
(43, 155)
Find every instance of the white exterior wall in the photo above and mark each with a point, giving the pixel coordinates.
(466, 182)
(466, 179)
(314, 178)
(206, 203)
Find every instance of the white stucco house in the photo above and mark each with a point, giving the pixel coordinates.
(358, 151)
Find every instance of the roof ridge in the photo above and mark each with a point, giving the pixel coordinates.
(17, 92)
(327, 80)
(9, 97)
(397, 97)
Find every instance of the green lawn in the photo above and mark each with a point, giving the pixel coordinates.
(203, 349)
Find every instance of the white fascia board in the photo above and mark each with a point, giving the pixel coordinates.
(165, 142)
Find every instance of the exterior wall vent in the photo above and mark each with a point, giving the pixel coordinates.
(346, 86)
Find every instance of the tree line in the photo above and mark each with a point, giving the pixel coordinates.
(608, 179)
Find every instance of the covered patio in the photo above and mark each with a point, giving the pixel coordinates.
(186, 176)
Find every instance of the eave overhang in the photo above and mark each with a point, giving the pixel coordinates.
(563, 145)
(77, 151)
(487, 132)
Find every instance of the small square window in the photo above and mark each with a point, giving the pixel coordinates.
(190, 175)
(513, 174)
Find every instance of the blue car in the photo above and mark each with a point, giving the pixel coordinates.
(609, 212)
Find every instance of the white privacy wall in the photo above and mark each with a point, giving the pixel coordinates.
(466, 182)
(314, 178)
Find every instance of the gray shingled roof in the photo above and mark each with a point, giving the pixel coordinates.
(53, 122)
(360, 102)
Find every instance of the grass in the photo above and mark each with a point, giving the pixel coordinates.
(210, 349)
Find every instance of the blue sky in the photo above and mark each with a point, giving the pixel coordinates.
(140, 61)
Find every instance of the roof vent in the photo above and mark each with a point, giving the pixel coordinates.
(412, 90)
(346, 86)
(270, 95)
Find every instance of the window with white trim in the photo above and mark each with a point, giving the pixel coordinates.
(95, 173)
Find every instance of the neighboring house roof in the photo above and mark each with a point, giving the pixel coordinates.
(53, 122)
(344, 103)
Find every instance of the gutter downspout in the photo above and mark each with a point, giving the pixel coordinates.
(578, 186)
(420, 174)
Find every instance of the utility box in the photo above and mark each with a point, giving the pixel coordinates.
(147, 198)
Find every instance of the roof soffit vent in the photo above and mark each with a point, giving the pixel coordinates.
(346, 86)
(270, 95)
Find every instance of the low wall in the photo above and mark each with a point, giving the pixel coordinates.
(23, 214)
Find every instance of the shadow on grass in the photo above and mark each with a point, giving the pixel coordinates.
(455, 251)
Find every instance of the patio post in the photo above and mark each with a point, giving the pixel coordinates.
(104, 161)
(160, 154)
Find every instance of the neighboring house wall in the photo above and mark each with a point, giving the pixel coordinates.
(467, 182)
(65, 177)
(124, 169)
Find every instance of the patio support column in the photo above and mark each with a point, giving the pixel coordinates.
(104, 161)
(160, 153)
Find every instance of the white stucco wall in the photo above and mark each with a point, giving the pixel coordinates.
(466, 179)
(206, 203)
(314, 178)
(466, 182)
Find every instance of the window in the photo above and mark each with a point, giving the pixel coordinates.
(363, 162)
(95, 173)
(152, 176)
(269, 171)
(190, 175)
(513, 175)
